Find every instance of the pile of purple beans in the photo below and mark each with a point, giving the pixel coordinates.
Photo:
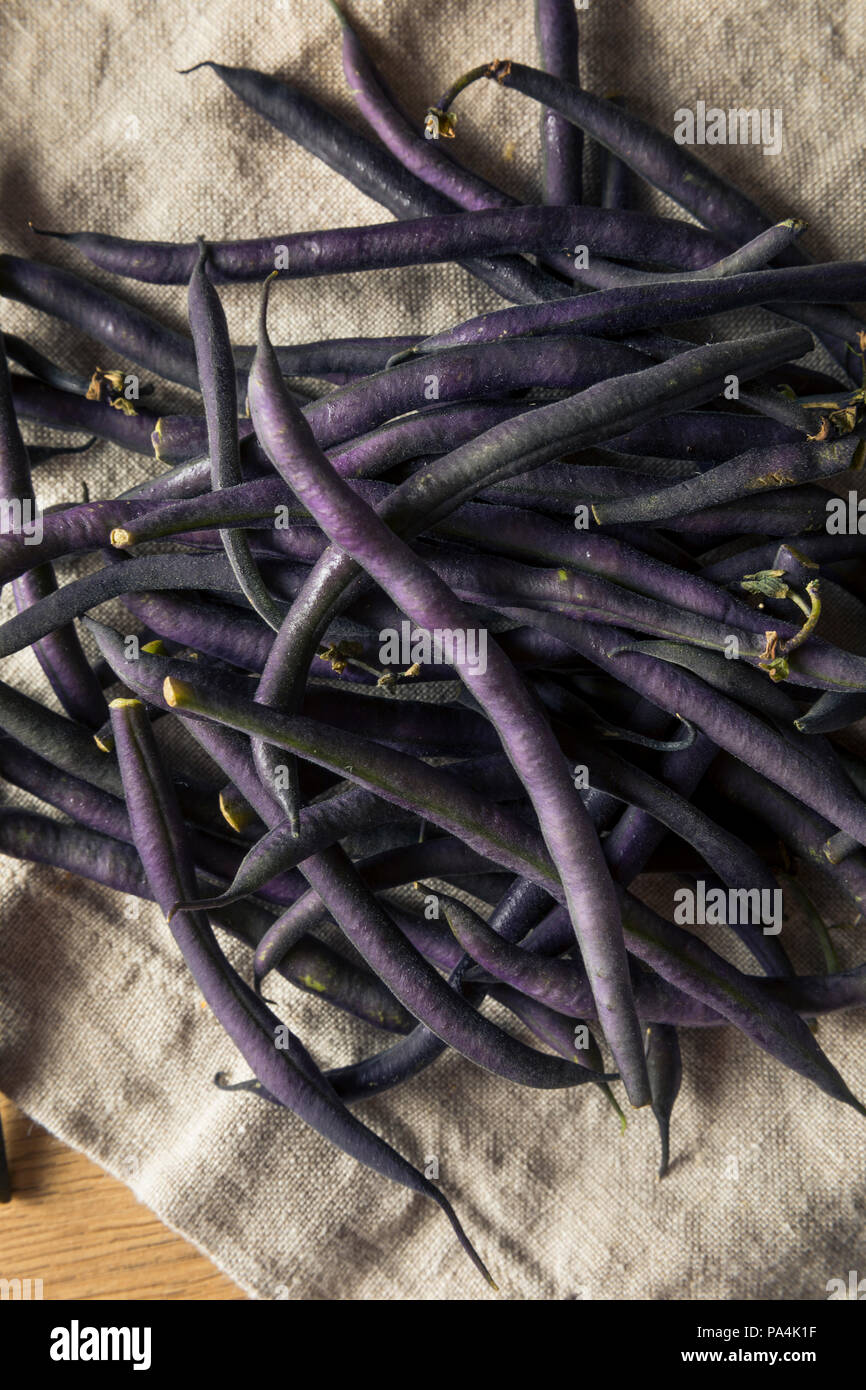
(539, 604)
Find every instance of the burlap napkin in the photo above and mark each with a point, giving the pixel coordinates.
(103, 1038)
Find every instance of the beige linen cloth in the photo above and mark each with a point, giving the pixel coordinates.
(103, 1037)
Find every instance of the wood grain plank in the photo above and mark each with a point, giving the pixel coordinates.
(84, 1233)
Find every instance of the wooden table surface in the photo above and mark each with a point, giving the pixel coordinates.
(85, 1234)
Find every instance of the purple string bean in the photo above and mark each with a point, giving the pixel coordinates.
(216, 373)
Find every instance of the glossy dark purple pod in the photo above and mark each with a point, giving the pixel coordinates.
(758, 470)
(122, 327)
(488, 370)
(664, 1063)
(216, 372)
(635, 307)
(489, 231)
(424, 158)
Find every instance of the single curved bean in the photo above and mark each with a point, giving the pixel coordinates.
(216, 371)
(89, 805)
(571, 707)
(758, 470)
(63, 410)
(665, 1067)
(40, 366)
(489, 231)
(788, 512)
(648, 306)
(743, 683)
(832, 711)
(41, 840)
(435, 857)
(208, 627)
(432, 430)
(285, 931)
